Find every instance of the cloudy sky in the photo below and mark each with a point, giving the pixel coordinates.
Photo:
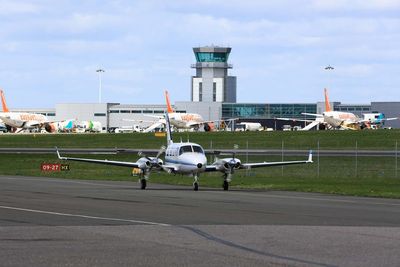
(50, 50)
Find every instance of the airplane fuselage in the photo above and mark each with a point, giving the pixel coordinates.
(338, 118)
(22, 119)
(185, 120)
(187, 158)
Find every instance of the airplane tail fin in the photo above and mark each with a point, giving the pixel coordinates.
(169, 108)
(3, 102)
(327, 104)
(168, 129)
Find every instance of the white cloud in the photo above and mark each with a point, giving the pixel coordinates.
(146, 45)
(355, 4)
(9, 8)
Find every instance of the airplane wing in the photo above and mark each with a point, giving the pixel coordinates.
(383, 119)
(98, 161)
(211, 168)
(169, 168)
(154, 116)
(278, 163)
(139, 121)
(289, 119)
(198, 124)
(313, 114)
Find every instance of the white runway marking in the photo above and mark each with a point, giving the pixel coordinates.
(55, 180)
(84, 216)
(357, 200)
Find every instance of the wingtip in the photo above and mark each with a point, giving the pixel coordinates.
(58, 153)
(310, 157)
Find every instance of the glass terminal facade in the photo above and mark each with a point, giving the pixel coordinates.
(211, 57)
(356, 109)
(268, 111)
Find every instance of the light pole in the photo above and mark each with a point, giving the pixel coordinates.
(329, 68)
(99, 71)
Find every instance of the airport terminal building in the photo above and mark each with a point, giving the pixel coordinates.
(214, 96)
(115, 115)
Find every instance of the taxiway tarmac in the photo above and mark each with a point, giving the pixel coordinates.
(45, 221)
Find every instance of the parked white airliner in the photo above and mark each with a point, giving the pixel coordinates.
(19, 121)
(185, 158)
(181, 120)
(341, 120)
(345, 120)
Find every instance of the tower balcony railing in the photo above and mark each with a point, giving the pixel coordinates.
(222, 65)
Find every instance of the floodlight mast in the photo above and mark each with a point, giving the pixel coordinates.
(329, 69)
(100, 71)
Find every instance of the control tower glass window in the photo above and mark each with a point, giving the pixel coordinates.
(211, 57)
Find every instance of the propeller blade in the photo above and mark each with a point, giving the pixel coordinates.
(160, 152)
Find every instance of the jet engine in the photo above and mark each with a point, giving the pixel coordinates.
(50, 127)
(208, 127)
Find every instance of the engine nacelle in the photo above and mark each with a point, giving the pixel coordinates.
(228, 164)
(143, 163)
(147, 162)
(51, 127)
(208, 127)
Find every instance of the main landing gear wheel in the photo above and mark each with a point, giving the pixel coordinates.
(143, 183)
(196, 186)
(225, 185)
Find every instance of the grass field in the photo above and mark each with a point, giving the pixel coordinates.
(362, 176)
(381, 139)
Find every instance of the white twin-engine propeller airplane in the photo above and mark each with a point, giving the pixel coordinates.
(185, 158)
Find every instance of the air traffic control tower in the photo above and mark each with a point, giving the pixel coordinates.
(212, 83)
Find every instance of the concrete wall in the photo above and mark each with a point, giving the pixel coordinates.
(230, 88)
(390, 109)
(83, 112)
(208, 110)
(142, 115)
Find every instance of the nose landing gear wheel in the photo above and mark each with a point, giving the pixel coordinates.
(225, 185)
(196, 186)
(143, 183)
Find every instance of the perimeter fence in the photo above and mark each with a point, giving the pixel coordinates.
(338, 160)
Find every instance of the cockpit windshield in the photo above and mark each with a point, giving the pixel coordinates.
(198, 149)
(185, 149)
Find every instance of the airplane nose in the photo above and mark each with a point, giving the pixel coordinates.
(199, 165)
